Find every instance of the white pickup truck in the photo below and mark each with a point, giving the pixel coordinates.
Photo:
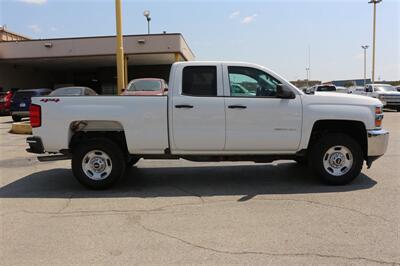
(214, 111)
(386, 93)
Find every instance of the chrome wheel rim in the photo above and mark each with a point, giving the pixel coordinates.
(97, 165)
(338, 160)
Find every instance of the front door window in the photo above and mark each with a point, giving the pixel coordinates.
(251, 82)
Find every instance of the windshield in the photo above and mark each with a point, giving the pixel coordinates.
(67, 92)
(145, 85)
(384, 88)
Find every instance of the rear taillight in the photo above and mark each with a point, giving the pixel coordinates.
(35, 115)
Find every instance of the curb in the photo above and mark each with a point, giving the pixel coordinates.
(21, 128)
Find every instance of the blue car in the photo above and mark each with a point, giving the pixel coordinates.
(21, 102)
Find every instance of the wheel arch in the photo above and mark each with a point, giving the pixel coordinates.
(89, 129)
(353, 128)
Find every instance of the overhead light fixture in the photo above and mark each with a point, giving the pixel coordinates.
(146, 13)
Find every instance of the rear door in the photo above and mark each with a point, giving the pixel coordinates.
(198, 110)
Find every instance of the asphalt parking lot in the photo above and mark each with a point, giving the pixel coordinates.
(178, 212)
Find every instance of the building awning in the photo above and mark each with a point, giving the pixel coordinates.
(89, 52)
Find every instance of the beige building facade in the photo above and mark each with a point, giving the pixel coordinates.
(7, 36)
(88, 61)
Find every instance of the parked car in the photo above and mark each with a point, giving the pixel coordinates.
(386, 93)
(21, 101)
(3, 107)
(341, 89)
(146, 87)
(5, 101)
(73, 91)
(199, 120)
(357, 90)
(239, 90)
(323, 88)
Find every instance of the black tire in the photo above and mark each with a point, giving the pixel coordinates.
(132, 161)
(16, 118)
(321, 147)
(116, 158)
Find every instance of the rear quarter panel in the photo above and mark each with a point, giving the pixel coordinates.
(143, 119)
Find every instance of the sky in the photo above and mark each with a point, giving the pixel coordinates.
(275, 34)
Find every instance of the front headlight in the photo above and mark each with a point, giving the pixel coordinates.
(378, 116)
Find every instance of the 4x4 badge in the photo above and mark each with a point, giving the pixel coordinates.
(50, 100)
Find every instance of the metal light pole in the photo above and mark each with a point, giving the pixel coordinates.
(365, 47)
(309, 62)
(146, 13)
(120, 48)
(307, 70)
(373, 38)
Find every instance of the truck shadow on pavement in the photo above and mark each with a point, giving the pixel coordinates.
(247, 180)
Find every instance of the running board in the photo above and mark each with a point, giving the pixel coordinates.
(51, 158)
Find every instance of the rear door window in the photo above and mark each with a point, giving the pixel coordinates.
(199, 81)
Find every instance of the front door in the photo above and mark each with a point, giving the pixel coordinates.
(198, 110)
(256, 120)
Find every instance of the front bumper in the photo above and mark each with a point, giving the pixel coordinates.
(378, 140)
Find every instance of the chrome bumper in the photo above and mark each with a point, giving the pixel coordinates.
(377, 142)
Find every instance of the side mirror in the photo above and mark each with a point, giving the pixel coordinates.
(284, 93)
(368, 89)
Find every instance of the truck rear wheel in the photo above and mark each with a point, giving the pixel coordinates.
(336, 158)
(98, 163)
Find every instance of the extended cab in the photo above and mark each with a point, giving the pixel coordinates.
(205, 117)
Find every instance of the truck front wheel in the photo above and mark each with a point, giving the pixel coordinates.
(132, 161)
(336, 158)
(98, 163)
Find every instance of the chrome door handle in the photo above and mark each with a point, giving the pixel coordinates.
(184, 106)
(237, 107)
